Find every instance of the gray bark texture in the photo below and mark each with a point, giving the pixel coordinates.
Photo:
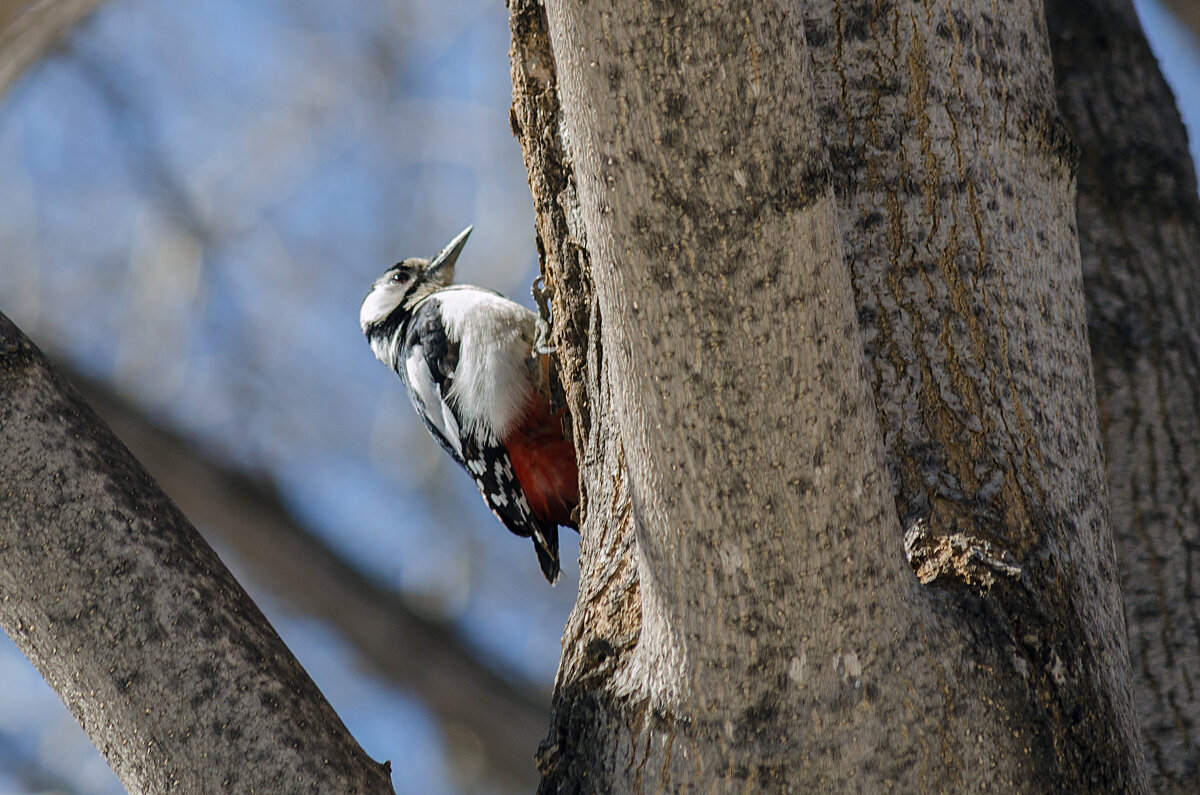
(822, 328)
(165, 661)
(479, 709)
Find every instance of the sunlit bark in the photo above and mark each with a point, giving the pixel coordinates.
(821, 327)
(164, 660)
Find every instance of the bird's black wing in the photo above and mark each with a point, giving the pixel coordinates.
(427, 362)
(427, 367)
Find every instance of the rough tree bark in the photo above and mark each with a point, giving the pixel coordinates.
(133, 620)
(820, 321)
(821, 327)
(501, 718)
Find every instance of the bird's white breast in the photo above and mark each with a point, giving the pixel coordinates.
(492, 383)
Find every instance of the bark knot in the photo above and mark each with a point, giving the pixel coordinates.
(957, 557)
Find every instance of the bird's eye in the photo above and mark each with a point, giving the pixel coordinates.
(400, 277)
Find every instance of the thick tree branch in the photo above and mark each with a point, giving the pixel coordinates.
(606, 623)
(133, 620)
(416, 652)
(955, 181)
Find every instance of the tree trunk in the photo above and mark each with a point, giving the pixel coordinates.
(1139, 234)
(820, 325)
(133, 620)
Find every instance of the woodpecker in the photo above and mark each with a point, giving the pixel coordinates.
(467, 356)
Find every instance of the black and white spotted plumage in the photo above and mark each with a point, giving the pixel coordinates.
(466, 356)
(428, 361)
(426, 345)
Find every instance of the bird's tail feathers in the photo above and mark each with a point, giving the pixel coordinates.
(545, 542)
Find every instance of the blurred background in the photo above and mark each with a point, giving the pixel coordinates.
(194, 198)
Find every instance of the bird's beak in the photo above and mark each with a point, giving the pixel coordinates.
(442, 267)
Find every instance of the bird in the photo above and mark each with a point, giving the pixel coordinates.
(478, 378)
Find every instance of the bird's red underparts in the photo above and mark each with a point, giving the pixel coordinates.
(544, 462)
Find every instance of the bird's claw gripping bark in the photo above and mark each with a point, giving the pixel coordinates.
(541, 297)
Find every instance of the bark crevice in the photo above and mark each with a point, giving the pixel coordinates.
(605, 626)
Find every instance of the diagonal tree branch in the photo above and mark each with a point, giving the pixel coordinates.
(132, 619)
(506, 719)
(421, 654)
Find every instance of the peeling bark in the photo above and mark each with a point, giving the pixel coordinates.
(606, 622)
(132, 619)
(955, 177)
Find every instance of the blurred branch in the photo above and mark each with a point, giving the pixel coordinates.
(28, 770)
(423, 655)
(29, 27)
(1187, 12)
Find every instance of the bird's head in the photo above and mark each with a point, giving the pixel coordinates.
(393, 296)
